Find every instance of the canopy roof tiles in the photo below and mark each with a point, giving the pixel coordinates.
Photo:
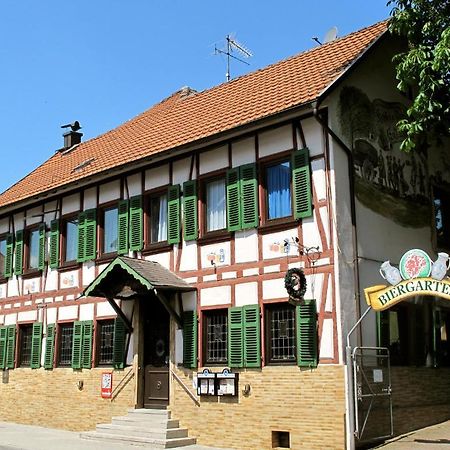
(187, 116)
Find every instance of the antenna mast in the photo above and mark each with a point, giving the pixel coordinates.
(232, 44)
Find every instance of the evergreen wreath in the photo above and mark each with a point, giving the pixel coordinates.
(295, 283)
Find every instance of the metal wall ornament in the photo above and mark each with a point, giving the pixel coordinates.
(295, 283)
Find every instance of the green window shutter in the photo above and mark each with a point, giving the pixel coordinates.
(190, 210)
(36, 345)
(49, 346)
(77, 344)
(18, 264)
(3, 339)
(9, 255)
(54, 244)
(252, 340)
(86, 345)
(81, 237)
(122, 227)
(10, 346)
(307, 334)
(91, 235)
(301, 182)
(173, 214)
(41, 260)
(119, 344)
(190, 339)
(249, 196)
(236, 337)
(136, 223)
(234, 221)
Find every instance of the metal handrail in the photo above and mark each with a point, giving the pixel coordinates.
(183, 385)
(127, 377)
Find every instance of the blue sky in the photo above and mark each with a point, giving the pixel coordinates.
(102, 62)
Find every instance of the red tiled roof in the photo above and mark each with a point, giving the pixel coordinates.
(181, 119)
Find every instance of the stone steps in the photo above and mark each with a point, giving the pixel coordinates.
(153, 427)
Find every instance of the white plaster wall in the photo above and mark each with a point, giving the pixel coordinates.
(31, 285)
(69, 279)
(88, 272)
(189, 300)
(87, 312)
(326, 341)
(313, 136)
(3, 287)
(157, 177)
(220, 295)
(109, 191)
(70, 204)
(274, 289)
(214, 251)
(51, 282)
(161, 258)
(319, 180)
(246, 294)
(243, 152)
(273, 244)
(134, 185)
(246, 245)
(90, 198)
(105, 309)
(34, 215)
(329, 301)
(51, 315)
(275, 141)
(4, 225)
(188, 259)
(19, 221)
(311, 235)
(68, 312)
(214, 159)
(178, 347)
(10, 319)
(13, 286)
(27, 316)
(323, 211)
(181, 169)
(51, 212)
(314, 286)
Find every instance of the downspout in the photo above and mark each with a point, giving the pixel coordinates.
(348, 355)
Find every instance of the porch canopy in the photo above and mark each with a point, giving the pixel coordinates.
(127, 278)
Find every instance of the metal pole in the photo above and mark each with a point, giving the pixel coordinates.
(350, 382)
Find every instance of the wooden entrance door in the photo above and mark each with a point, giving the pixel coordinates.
(156, 353)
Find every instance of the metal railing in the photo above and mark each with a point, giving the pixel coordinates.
(122, 383)
(186, 389)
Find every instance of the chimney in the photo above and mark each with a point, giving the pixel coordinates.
(71, 137)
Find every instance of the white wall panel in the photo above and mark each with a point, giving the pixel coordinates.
(243, 152)
(157, 177)
(181, 169)
(275, 141)
(189, 300)
(134, 185)
(329, 302)
(246, 294)
(311, 235)
(161, 258)
(314, 286)
(105, 309)
(214, 159)
(31, 286)
(70, 204)
(27, 316)
(51, 315)
(87, 312)
(109, 192)
(19, 221)
(246, 245)
(68, 312)
(69, 279)
(90, 198)
(319, 180)
(325, 222)
(220, 295)
(4, 225)
(34, 215)
(10, 319)
(88, 272)
(51, 282)
(218, 253)
(326, 342)
(313, 136)
(50, 212)
(273, 244)
(188, 256)
(3, 290)
(13, 286)
(274, 289)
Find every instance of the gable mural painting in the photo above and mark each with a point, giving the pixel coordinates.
(392, 183)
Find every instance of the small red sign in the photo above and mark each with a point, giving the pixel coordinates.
(106, 384)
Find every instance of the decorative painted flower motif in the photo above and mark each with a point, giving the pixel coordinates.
(414, 265)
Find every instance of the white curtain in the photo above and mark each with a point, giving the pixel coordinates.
(162, 221)
(215, 205)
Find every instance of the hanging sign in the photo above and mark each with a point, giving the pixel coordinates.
(106, 389)
(417, 274)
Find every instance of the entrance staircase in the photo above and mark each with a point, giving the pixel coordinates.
(143, 427)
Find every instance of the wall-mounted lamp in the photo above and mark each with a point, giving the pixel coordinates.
(247, 389)
(80, 385)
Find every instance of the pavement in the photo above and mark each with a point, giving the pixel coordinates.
(15, 436)
(436, 437)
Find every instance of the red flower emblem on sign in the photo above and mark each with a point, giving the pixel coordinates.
(414, 265)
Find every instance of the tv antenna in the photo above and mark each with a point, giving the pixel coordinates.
(233, 45)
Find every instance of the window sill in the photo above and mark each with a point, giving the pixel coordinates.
(3, 279)
(31, 273)
(215, 236)
(68, 265)
(278, 225)
(106, 258)
(158, 247)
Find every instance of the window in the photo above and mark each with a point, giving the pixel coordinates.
(215, 205)
(280, 333)
(70, 239)
(278, 184)
(110, 230)
(158, 219)
(441, 199)
(33, 249)
(65, 344)
(25, 336)
(215, 331)
(2, 256)
(105, 339)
